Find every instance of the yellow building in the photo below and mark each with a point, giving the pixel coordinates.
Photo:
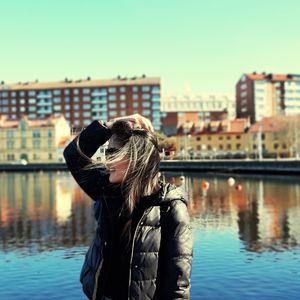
(215, 139)
(33, 141)
(275, 137)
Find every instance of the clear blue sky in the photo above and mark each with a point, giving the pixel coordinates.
(203, 45)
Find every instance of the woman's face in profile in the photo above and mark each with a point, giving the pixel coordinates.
(117, 169)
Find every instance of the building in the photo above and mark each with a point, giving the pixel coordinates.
(215, 139)
(265, 95)
(83, 101)
(275, 137)
(33, 141)
(204, 107)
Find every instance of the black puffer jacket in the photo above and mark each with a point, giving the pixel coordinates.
(161, 253)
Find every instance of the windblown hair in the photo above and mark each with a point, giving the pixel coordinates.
(140, 148)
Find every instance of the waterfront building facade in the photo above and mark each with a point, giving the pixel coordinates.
(202, 107)
(266, 95)
(34, 141)
(275, 137)
(82, 101)
(215, 139)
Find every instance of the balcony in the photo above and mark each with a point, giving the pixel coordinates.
(44, 95)
(44, 103)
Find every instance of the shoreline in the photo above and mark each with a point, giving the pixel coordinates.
(266, 166)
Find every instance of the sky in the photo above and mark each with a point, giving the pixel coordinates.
(194, 46)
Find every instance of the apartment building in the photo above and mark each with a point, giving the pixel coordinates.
(82, 101)
(33, 141)
(275, 137)
(215, 139)
(177, 109)
(266, 95)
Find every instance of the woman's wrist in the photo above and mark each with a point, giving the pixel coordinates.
(107, 124)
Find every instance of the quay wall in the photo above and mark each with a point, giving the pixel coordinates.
(289, 167)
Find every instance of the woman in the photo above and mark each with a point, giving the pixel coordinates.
(143, 245)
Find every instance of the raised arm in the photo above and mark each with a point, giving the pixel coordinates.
(176, 252)
(89, 140)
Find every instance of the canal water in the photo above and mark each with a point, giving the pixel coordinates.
(246, 235)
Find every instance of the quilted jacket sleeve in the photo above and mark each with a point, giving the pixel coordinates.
(176, 253)
(90, 139)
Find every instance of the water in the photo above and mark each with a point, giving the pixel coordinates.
(246, 242)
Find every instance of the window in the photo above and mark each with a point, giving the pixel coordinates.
(50, 156)
(135, 97)
(111, 89)
(113, 113)
(122, 97)
(13, 94)
(228, 146)
(86, 91)
(221, 147)
(75, 92)
(49, 143)
(112, 97)
(135, 89)
(228, 137)
(198, 138)
(31, 93)
(238, 146)
(238, 137)
(76, 107)
(122, 89)
(146, 88)
(86, 114)
(76, 114)
(123, 105)
(76, 99)
(135, 105)
(31, 100)
(112, 105)
(36, 134)
(36, 144)
(146, 96)
(67, 92)
(146, 104)
(21, 93)
(10, 144)
(86, 99)
(56, 92)
(56, 107)
(10, 134)
(67, 115)
(49, 133)
(146, 112)
(67, 107)
(67, 99)
(86, 106)
(31, 108)
(220, 138)
(56, 100)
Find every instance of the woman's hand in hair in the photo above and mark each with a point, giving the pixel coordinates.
(136, 121)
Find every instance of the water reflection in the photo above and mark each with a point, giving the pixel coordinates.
(44, 211)
(265, 212)
(41, 211)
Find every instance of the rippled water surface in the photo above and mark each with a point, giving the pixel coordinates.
(246, 236)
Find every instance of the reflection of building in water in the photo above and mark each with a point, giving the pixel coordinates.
(63, 201)
(272, 219)
(34, 215)
(266, 214)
